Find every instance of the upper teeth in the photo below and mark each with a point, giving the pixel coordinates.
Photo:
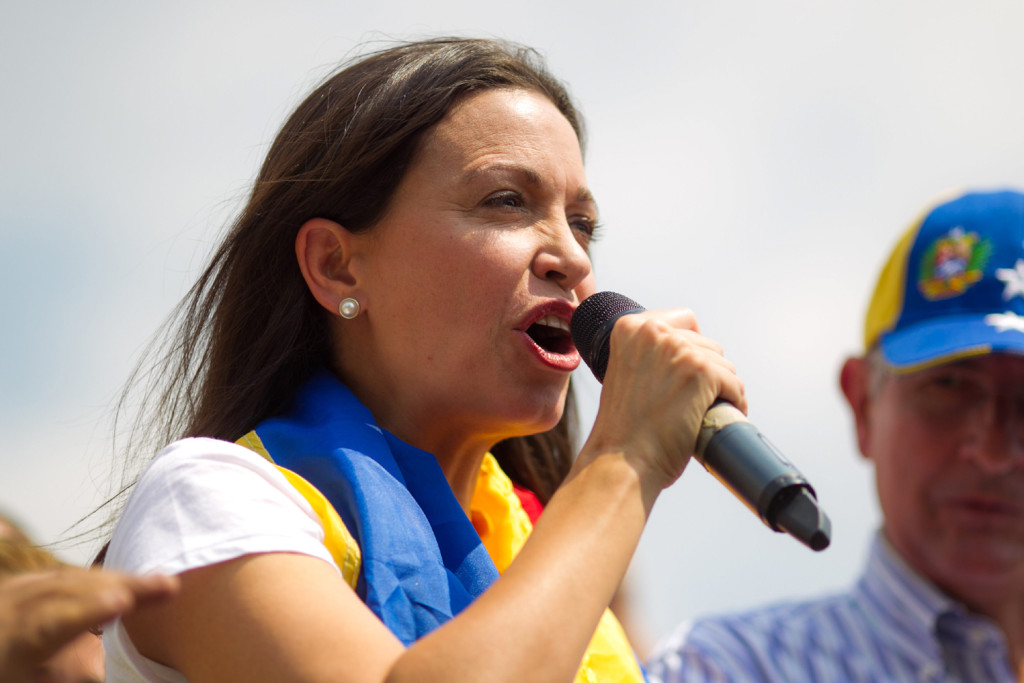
(554, 321)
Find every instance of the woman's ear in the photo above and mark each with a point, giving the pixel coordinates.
(324, 250)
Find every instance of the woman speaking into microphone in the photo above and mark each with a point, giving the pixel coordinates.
(367, 393)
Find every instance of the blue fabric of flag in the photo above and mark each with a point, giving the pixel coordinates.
(422, 560)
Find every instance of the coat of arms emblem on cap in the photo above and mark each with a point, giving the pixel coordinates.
(952, 264)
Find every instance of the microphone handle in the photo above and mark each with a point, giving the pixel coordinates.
(728, 445)
(736, 453)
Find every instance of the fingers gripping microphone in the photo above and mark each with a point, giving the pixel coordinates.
(728, 445)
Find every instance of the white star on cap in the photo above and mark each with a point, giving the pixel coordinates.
(1014, 280)
(1006, 321)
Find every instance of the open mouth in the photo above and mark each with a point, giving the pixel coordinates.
(551, 333)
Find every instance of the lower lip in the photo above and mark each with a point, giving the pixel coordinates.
(564, 362)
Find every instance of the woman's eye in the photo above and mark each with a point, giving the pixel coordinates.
(507, 200)
(586, 226)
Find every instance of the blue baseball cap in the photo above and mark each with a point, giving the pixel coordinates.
(954, 285)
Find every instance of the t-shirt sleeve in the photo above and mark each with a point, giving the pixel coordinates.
(204, 501)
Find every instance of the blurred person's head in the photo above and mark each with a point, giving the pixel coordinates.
(18, 556)
(938, 397)
(81, 660)
(10, 528)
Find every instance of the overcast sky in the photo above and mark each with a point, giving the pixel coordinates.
(753, 160)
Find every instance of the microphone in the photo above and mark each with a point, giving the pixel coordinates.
(728, 445)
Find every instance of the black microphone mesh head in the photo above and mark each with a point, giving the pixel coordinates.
(592, 323)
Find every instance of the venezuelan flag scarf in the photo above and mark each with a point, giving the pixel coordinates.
(395, 528)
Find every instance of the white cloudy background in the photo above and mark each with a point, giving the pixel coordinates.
(753, 161)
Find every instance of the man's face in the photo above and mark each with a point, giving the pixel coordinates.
(948, 449)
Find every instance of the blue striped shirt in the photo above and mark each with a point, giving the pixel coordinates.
(893, 626)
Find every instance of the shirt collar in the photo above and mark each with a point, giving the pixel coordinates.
(902, 603)
(917, 616)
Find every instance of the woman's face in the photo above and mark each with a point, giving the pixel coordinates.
(468, 283)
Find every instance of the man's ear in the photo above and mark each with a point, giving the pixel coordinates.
(324, 250)
(855, 381)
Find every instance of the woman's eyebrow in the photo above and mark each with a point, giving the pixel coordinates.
(532, 177)
(584, 195)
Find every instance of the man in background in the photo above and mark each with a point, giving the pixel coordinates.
(938, 403)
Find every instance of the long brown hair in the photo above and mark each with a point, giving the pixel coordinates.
(249, 332)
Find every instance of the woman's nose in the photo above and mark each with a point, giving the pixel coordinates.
(561, 258)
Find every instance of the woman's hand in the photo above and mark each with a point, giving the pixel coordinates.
(662, 377)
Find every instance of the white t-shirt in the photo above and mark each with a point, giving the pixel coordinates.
(202, 501)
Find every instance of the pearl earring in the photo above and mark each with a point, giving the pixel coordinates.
(348, 308)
